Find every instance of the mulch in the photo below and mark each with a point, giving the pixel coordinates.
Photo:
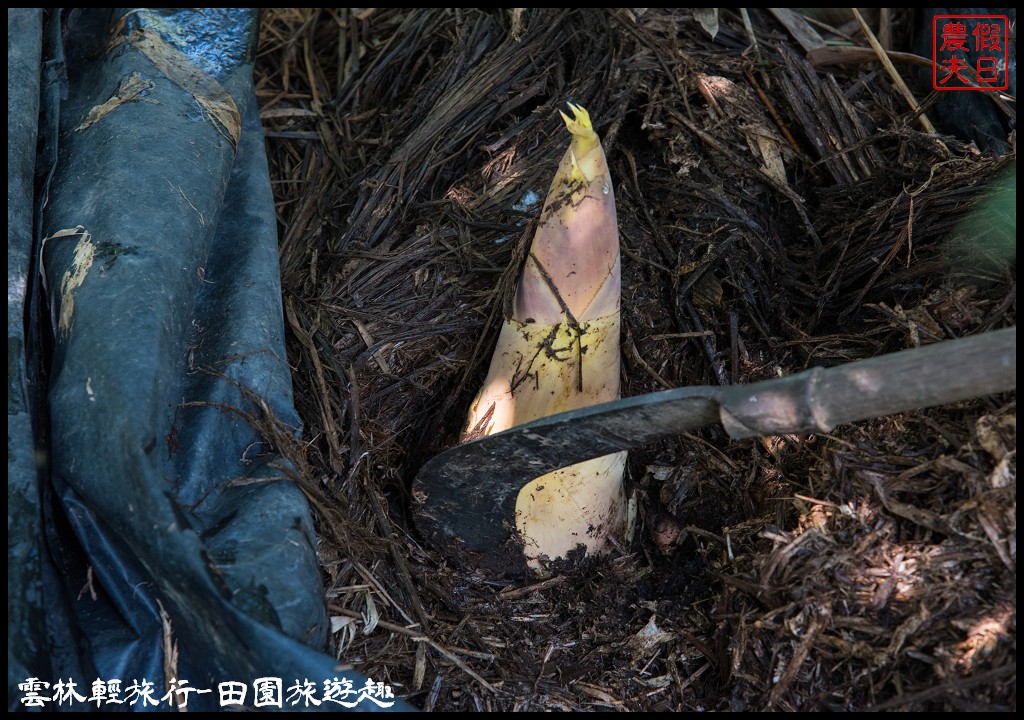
(776, 213)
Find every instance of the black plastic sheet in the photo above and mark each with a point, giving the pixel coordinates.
(153, 532)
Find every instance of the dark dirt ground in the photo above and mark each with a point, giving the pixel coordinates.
(774, 215)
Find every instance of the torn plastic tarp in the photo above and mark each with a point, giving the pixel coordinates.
(154, 535)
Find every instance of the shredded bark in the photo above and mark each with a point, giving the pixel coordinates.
(774, 215)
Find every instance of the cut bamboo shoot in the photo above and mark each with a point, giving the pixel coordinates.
(560, 351)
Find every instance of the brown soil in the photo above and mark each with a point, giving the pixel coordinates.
(774, 216)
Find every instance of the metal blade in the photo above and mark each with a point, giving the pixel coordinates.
(481, 479)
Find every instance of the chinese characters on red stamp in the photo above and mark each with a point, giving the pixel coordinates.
(970, 52)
